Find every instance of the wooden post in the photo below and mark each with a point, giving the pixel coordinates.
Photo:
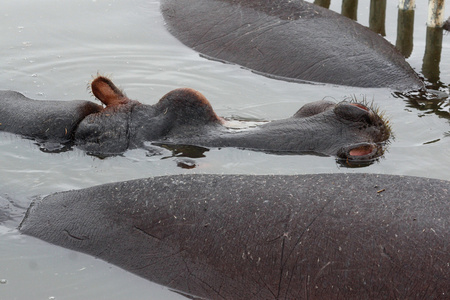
(405, 27)
(435, 13)
(406, 4)
(350, 9)
(377, 17)
(432, 55)
(323, 3)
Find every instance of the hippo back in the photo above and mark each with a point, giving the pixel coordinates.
(289, 40)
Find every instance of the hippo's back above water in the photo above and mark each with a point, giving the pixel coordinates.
(290, 40)
(324, 236)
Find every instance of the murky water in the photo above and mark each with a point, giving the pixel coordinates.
(51, 49)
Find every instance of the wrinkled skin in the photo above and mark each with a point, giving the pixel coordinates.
(185, 117)
(324, 236)
(291, 40)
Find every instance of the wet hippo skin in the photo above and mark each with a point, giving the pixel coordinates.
(42, 120)
(290, 40)
(351, 131)
(324, 236)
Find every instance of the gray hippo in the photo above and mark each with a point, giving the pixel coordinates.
(291, 40)
(350, 131)
(324, 236)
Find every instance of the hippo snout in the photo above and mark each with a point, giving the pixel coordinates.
(360, 154)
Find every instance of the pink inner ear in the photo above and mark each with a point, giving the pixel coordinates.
(360, 106)
(361, 151)
(105, 91)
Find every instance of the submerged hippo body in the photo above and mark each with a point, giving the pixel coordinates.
(184, 116)
(291, 40)
(325, 236)
(42, 120)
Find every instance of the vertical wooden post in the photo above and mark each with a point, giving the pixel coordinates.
(323, 3)
(405, 27)
(377, 17)
(406, 4)
(433, 47)
(350, 9)
(435, 13)
(432, 55)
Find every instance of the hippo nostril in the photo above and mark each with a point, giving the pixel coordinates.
(362, 150)
(359, 155)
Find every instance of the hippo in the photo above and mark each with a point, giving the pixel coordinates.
(292, 40)
(322, 236)
(349, 131)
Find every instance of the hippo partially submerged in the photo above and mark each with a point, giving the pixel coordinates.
(323, 236)
(291, 40)
(350, 131)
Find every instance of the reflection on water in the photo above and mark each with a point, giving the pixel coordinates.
(428, 103)
(185, 150)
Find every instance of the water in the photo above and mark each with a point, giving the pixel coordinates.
(51, 49)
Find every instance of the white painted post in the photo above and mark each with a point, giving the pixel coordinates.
(406, 4)
(435, 13)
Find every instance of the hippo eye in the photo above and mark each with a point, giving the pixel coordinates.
(353, 112)
(314, 108)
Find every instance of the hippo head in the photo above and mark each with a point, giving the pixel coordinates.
(350, 131)
(125, 123)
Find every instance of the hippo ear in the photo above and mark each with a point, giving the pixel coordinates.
(105, 91)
